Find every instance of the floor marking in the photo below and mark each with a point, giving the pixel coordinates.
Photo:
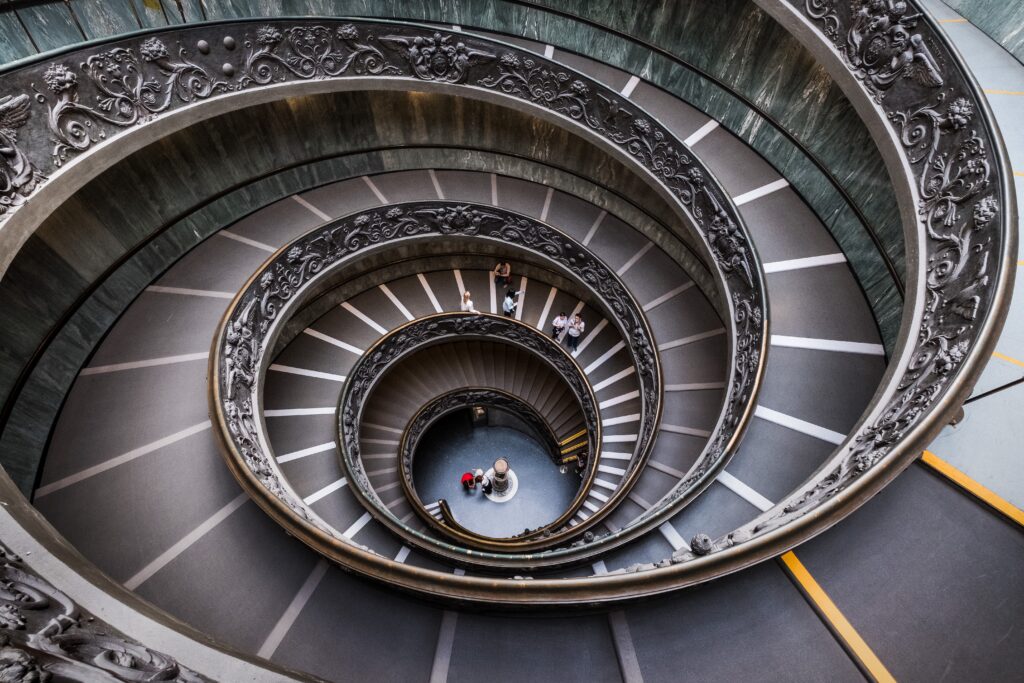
(673, 537)
(459, 283)
(376, 190)
(547, 308)
(306, 373)
(357, 525)
(700, 133)
(398, 304)
(630, 86)
(381, 456)
(549, 51)
(456, 27)
(605, 356)
(953, 21)
(381, 442)
(799, 425)
(800, 263)
(992, 91)
(620, 438)
(403, 552)
(597, 494)
(838, 623)
(494, 189)
(547, 204)
(614, 378)
(190, 292)
(291, 613)
(325, 491)
(608, 469)
(385, 428)
(759, 192)
(688, 431)
(152, 362)
(619, 399)
(437, 185)
(639, 501)
(668, 295)
(522, 298)
(599, 567)
(315, 211)
(635, 417)
(443, 650)
(593, 333)
(699, 386)
(331, 340)
(827, 345)
(121, 459)
(388, 487)
(1021, 174)
(430, 293)
(386, 470)
(745, 492)
(604, 484)
(493, 290)
(593, 228)
(634, 258)
(1008, 359)
(297, 412)
(365, 318)
(591, 506)
(312, 450)
(671, 471)
(245, 240)
(165, 558)
(615, 456)
(976, 489)
(625, 650)
(691, 339)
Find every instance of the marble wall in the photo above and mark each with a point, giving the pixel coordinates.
(1002, 20)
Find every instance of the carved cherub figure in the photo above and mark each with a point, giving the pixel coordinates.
(18, 177)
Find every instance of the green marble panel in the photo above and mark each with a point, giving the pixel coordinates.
(50, 26)
(191, 10)
(153, 14)
(104, 18)
(1002, 20)
(14, 42)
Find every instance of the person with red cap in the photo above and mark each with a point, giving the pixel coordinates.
(468, 481)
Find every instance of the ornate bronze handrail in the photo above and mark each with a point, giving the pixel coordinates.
(405, 341)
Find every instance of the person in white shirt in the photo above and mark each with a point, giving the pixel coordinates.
(576, 328)
(558, 325)
(508, 306)
(467, 303)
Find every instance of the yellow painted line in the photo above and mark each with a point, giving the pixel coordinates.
(1019, 173)
(1002, 356)
(1021, 262)
(992, 91)
(840, 625)
(953, 21)
(985, 494)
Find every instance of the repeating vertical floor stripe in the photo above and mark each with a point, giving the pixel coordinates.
(185, 543)
(522, 297)
(299, 412)
(375, 190)
(305, 452)
(547, 204)
(291, 613)
(331, 340)
(634, 259)
(745, 492)
(133, 365)
(547, 309)
(365, 318)
(437, 185)
(494, 189)
(430, 292)
(827, 345)
(325, 491)
(306, 373)
(589, 337)
(245, 240)
(121, 459)
(801, 263)
(796, 424)
(312, 209)
(838, 623)
(747, 197)
(184, 291)
(668, 295)
(395, 300)
(593, 228)
(691, 339)
(700, 133)
(976, 489)
(604, 357)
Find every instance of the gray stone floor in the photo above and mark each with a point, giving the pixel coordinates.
(453, 446)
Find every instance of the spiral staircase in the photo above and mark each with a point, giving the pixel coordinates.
(237, 361)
